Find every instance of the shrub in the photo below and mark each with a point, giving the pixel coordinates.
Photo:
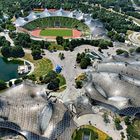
(120, 51)
(10, 83)
(79, 84)
(138, 50)
(17, 81)
(3, 85)
(31, 77)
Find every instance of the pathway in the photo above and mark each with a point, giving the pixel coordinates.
(135, 38)
(6, 35)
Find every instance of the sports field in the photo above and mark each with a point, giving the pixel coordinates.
(52, 33)
(89, 132)
(57, 32)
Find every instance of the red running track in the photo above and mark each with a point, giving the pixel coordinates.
(76, 34)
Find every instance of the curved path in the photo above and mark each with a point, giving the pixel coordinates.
(69, 72)
(135, 38)
(31, 64)
(6, 35)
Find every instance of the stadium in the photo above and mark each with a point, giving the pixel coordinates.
(51, 23)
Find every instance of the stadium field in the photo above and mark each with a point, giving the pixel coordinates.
(57, 32)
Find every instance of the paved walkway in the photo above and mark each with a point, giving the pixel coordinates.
(31, 64)
(6, 35)
(69, 71)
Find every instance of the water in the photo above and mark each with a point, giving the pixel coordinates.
(8, 70)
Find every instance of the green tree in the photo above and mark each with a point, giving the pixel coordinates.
(17, 51)
(54, 84)
(85, 62)
(5, 50)
(79, 84)
(18, 81)
(105, 117)
(127, 120)
(138, 50)
(117, 123)
(108, 138)
(36, 54)
(60, 40)
(10, 83)
(3, 85)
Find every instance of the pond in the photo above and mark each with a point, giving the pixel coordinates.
(9, 69)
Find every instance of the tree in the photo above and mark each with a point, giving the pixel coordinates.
(23, 40)
(109, 138)
(36, 54)
(79, 84)
(85, 62)
(50, 76)
(32, 77)
(138, 50)
(17, 51)
(78, 58)
(61, 55)
(120, 51)
(5, 50)
(54, 84)
(127, 121)
(105, 117)
(117, 123)
(10, 83)
(18, 81)
(60, 40)
(3, 85)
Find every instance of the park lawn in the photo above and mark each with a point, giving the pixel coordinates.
(81, 77)
(54, 46)
(62, 80)
(56, 32)
(42, 66)
(85, 128)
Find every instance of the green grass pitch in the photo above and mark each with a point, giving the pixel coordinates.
(56, 32)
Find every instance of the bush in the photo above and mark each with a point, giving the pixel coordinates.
(131, 50)
(127, 121)
(36, 54)
(117, 124)
(31, 77)
(3, 85)
(109, 138)
(10, 83)
(79, 84)
(17, 81)
(138, 50)
(85, 62)
(120, 51)
(54, 84)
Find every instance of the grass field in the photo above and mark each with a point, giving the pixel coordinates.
(42, 66)
(56, 32)
(78, 135)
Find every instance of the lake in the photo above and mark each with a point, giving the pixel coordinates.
(8, 70)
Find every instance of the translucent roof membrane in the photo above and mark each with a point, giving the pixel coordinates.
(96, 27)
